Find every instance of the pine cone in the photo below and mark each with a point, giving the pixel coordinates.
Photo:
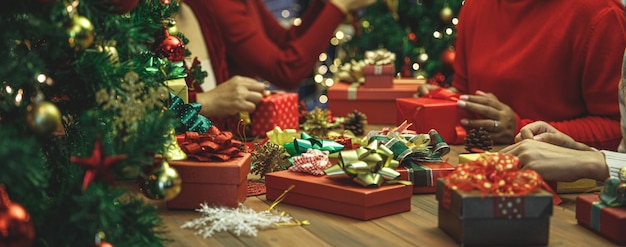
(269, 158)
(478, 140)
(355, 122)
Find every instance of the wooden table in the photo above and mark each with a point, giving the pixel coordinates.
(417, 227)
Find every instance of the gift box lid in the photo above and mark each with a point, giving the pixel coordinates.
(345, 91)
(410, 103)
(383, 69)
(232, 171)
(472, 205)
(341, 189)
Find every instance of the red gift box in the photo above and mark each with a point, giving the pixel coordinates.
(277, 109)
(378, 104)
(340, 196)
(216, 183)
(429, 113)
(610, 222)
(424, 175)
(473, 219)
(378, 76)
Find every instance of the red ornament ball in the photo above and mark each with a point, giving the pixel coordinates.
(170, 47)
(122, 6)
(412, 37)
(447, 57)
(166, 2)
(16, 226)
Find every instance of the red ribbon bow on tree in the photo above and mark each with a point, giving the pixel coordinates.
(212, 145)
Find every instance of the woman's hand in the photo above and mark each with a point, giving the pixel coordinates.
(238, 94)
(499, 119)
(555, 163)
(542, 131)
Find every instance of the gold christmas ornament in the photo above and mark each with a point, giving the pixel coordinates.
(172, 29)
(172, 149)
(446, 14)
(110, 50)
(80, 32)
(392, 5)
(163, 183)
(43, 117)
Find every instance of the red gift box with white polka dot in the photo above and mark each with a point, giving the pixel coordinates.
(471, 218)
(276, 109)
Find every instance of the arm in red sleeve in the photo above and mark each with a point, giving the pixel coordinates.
(251, 50)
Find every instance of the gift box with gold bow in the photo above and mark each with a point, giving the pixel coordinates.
(492, 202)
(338, 195)
(363, 184)
(605, 213)
(214, 172)
(378, 104)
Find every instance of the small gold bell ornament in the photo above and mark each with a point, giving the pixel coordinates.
(161, 183)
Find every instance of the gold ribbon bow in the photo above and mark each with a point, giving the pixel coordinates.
(369, 166)
(379, 57)
(280, 137)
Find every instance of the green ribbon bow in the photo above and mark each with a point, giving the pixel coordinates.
(189, 116)
(301, 145)
(171, 70)
(369, 166)
(614, 192)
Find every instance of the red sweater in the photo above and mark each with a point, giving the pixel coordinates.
(244, 38)
(553, 60)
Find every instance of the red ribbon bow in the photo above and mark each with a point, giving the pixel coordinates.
(497, 174)
(212, 145)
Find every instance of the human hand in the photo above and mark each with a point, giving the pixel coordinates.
(544, 132)
(238, 94)
(424, 89)
(555, 163)
(500, 119)
(347, 6)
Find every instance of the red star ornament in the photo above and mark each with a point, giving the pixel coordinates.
(98, 166)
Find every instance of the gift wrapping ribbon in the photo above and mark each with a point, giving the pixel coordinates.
(420, 176)
(280, 136)
(379, 57)
(613, 193)
(313, 162)
(212, 145)
(497, 174)
(596, 209)
(368, 166)
(189, 115)
(444, 94)
(306, 142)
(171, 70)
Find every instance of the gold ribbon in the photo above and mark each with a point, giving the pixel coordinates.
(379, 57)
(280, 137)
(369, 166)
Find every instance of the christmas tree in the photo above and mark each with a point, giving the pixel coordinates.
(83, 105)
(420, 32)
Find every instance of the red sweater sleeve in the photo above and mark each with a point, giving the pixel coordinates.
(569, 80)
(257, 47)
